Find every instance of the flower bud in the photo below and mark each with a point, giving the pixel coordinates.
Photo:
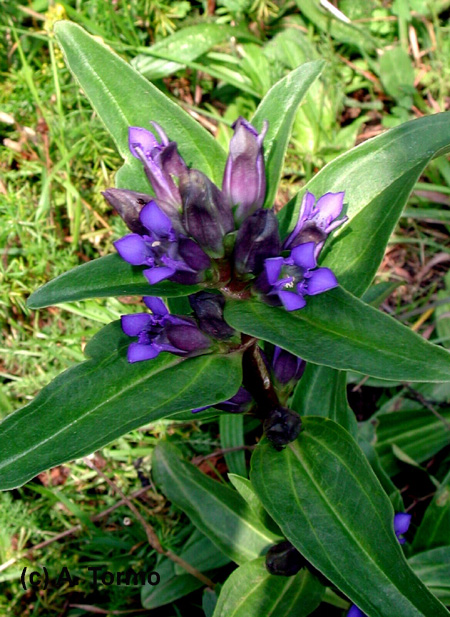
(244, 180)
(282, 426)
(287, 368)
(256, 241)
(128, 205)
(184, 334)
(283, 559)
(208, 308)
(206, 215)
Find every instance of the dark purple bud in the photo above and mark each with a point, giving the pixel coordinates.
(287, 368)
(256, 241)
(241, 402)
(162, 164)
(207, 216)
(244, 180)
(282, 426)
(284, 559)
(128, 205)
(208, 308)
(184, 334)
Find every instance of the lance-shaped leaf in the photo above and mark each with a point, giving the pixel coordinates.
(252, 592)
(103, 277)
(287, 95)
(183, 46)
(95, 402)
(328, 502)
(377, 177)
(215, 509)
(418, 433)
(232, 436)
(322, 391)
(122, 98)
(434, 530)
(433, 568)
(338, 330)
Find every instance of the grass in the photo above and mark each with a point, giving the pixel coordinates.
(56, 160)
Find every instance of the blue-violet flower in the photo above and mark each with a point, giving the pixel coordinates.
(292, 278)
(167, 254)
(160, 331)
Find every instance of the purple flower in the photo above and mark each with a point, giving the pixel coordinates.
(207, 216)
(160, 331)
(161, 163)
(128, 205)
(256, 240)
(286, 367)
(402, 522)
(208, 309)
(241, 402)
(294, 277)
(244, 180)
(168, 254)
(316, 222)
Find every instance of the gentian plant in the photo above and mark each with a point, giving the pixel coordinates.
(280, 305)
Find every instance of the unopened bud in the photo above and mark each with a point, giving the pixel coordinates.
(283, 559)
(282, 426)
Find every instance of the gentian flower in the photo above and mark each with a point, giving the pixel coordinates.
(402, 522)
(161, 163)
(207, 216)
(208, 309)
(286, 367)
(160, 331)
(241, 402)
(168, 254)
(292, 278)
(257, 240)
(128, 205)
(244, 180)
(315, 222)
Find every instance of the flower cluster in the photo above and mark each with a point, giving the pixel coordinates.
(191, 232)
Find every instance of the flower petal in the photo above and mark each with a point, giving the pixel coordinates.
(133, 249)
(134, 324)
(320, 280)
(154, 219)
(355, 612)
(156, 305)
(328, 208)
(402, 522)
(141, 138)
(273, 267)
(304, 255)
(291, 301)
(157, 274)
(138, 352)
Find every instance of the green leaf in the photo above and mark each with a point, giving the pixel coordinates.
(287, 95)
(433, 568)
(102, 277)
(186, 45)
(251, 591)
(231, 436)
(434, 528)
(215, 509)
(322, 391)
(338, 330)
(122, 98)
(170, 588)
(245, 489)
(93, 403)
(339, 30)
(418, 433)
(397, 73)
(377, 177)
(330, 505)
(202, 554)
